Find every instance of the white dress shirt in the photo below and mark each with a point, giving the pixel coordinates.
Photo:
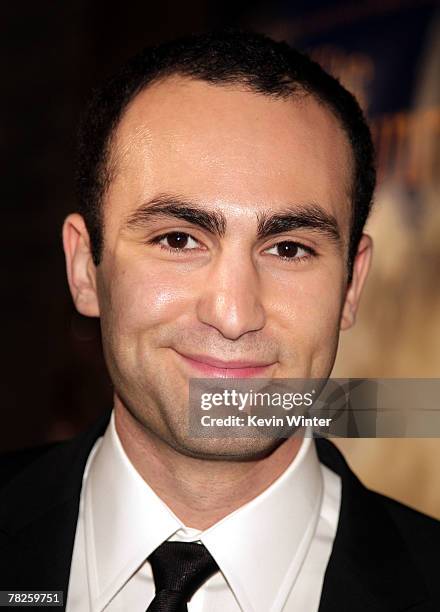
(272, 552)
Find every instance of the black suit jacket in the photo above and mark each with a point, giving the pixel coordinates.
(385, 557)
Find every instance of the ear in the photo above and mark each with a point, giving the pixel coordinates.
(81, 271)
(361, 267)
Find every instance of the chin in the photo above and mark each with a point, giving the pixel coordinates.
(227, 449)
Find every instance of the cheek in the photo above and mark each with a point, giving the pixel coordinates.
(308, 309)
(143, 296)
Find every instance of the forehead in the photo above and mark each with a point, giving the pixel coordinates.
(222, 144)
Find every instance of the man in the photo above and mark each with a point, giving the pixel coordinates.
(225, 181)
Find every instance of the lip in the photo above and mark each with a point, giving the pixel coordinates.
(212, 367)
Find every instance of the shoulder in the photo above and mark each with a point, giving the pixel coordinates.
(12, 463)
(408, 537)
(420, 532)
(54, 460)
(395, 545)
(405, 517)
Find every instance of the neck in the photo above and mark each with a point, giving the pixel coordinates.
(199, 492)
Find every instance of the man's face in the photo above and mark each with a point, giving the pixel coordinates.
(226, 227)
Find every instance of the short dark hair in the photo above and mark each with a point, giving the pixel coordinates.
(228, 56)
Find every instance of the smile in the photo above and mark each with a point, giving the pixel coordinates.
(208, 367)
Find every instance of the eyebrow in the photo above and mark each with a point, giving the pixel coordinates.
(269, 223)
(178, 208)
(303, 216)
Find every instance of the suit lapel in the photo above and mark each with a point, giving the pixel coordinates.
(370, 568)
(38, 516)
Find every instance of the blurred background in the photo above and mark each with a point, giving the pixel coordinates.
(387, 52)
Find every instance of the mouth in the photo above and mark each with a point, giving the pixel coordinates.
(209, 367)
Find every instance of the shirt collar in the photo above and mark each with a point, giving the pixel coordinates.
(259, 548)
(125, 521)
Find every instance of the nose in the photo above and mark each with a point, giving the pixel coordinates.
(231, 301)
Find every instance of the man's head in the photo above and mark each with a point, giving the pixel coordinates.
(224, 182)
(246, 60)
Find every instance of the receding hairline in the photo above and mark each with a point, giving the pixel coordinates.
(181, 79)
(298, 95)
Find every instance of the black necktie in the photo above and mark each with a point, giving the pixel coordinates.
(179, 569)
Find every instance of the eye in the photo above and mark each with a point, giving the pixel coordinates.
(176, 241)
(288, 249)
